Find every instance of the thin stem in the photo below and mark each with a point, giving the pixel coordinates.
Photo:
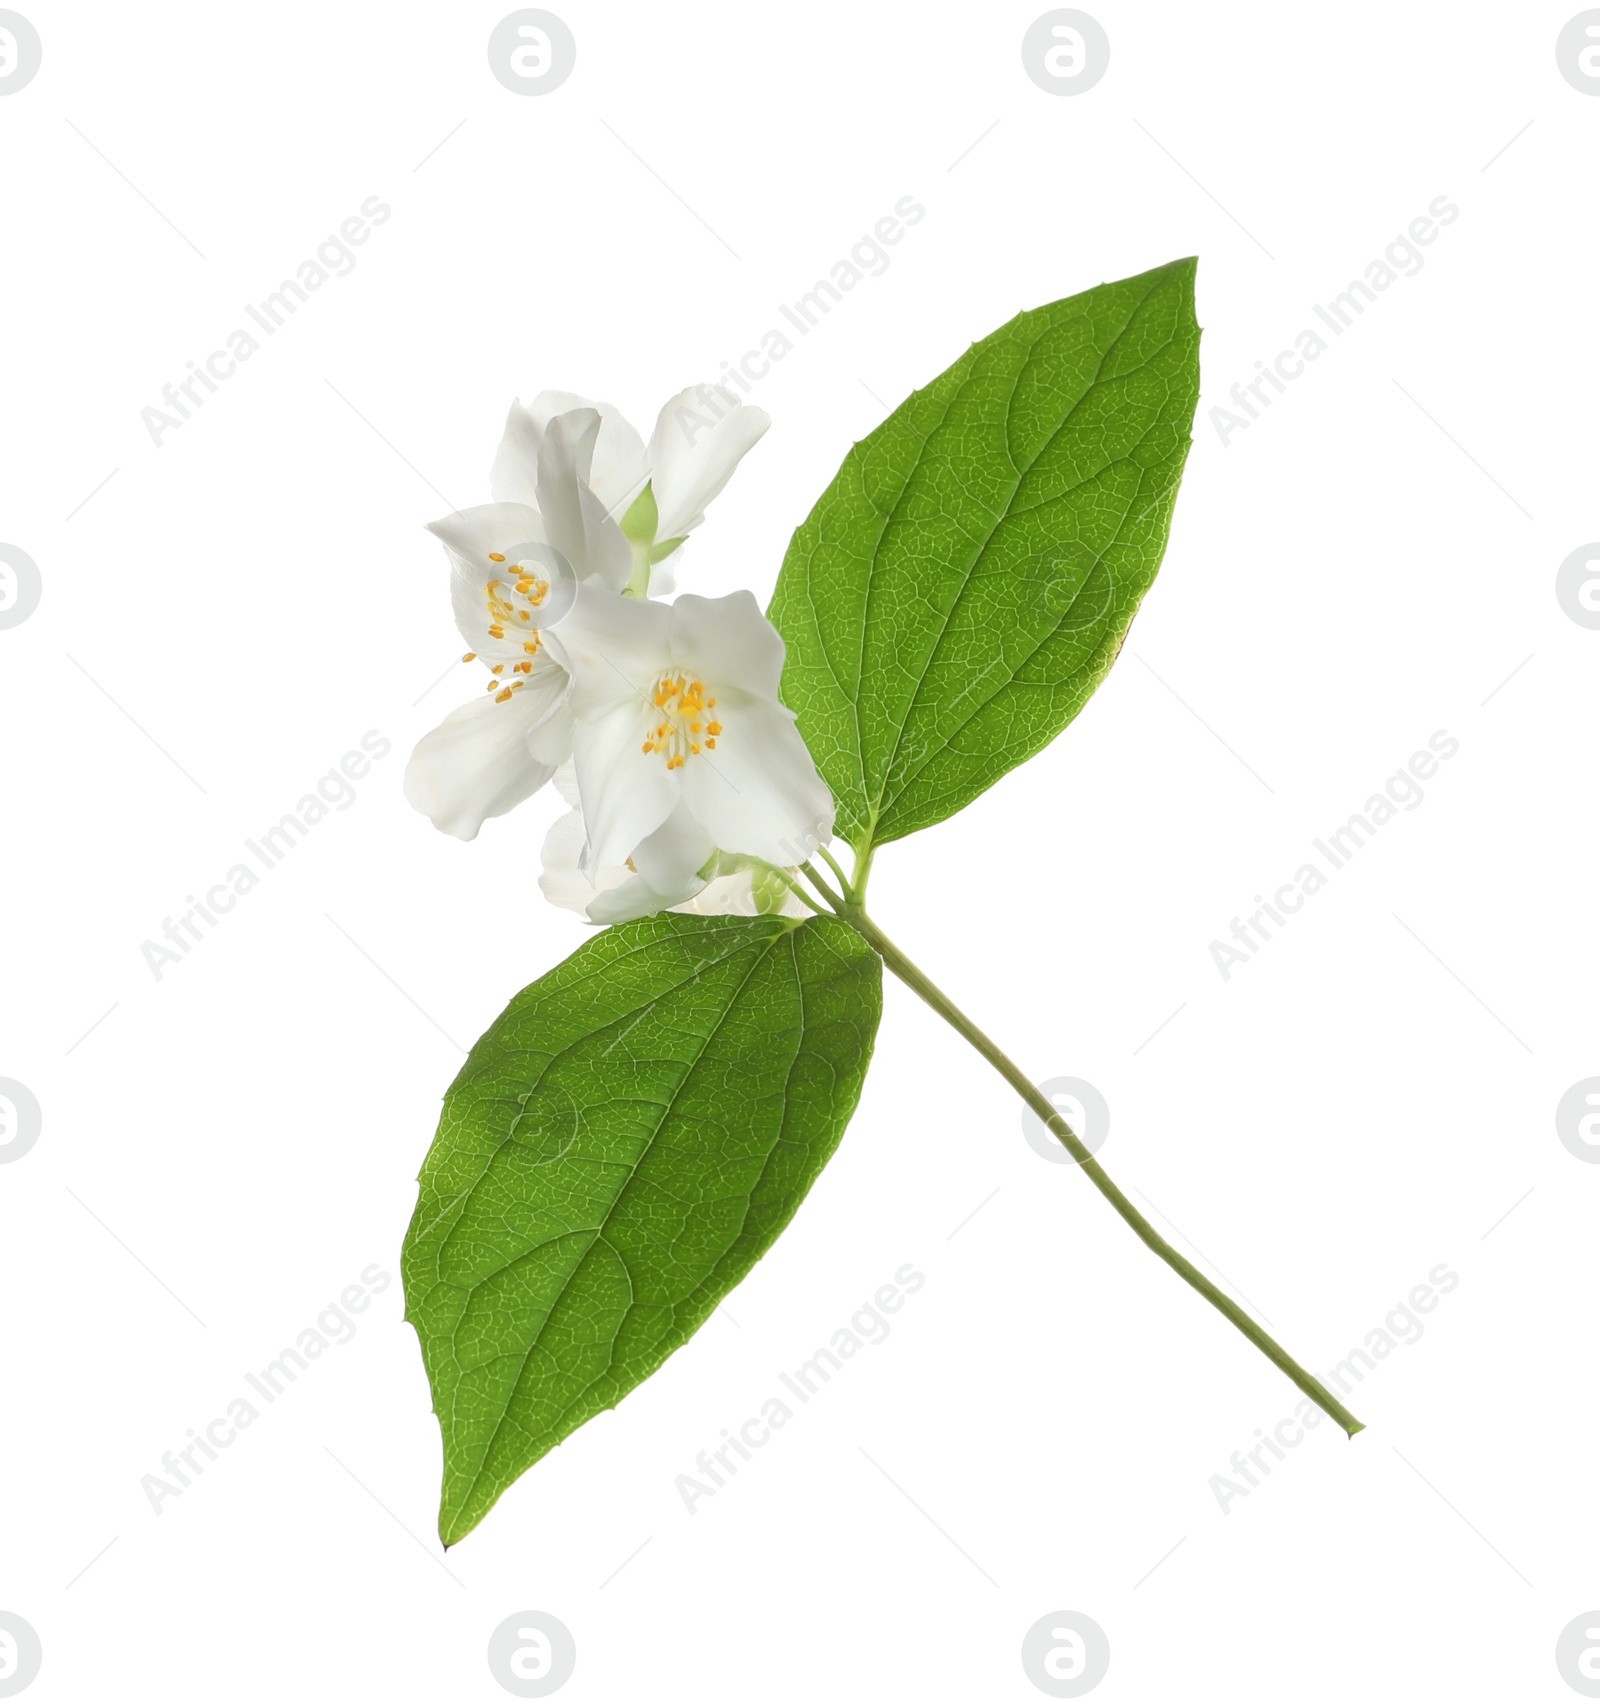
(1041, 1106)
(784, 878)
(838, 871)
(836, 902)
(639, 581)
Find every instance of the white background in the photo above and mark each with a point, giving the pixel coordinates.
(1364, 1100)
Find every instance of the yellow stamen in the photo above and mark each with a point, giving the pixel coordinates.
(681, 702)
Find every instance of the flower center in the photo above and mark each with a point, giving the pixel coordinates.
(511, 600)
(681, 723)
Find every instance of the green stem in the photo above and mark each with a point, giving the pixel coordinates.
(935, 998)
(862, 871)
(639, 582)
(783, 878)
(838, 871)
(837, 902)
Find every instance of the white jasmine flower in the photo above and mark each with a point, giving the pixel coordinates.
(687, 767)
(493, 752)
(657, 492)
(565, 471)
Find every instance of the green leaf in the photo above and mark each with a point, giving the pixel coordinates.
(960, 589)
(622, 1144)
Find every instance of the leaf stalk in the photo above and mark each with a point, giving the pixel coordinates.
(909, 974)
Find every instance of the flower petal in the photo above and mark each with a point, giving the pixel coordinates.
(626, 793)
(550, 740)
(563, 880)
(477, 531)
(566, 783)
(615, 648)
(759, 793)
(616, 474)
(670, 857)
(664, 574)
(727, 641)
(668, 862)
(700, 436)
(632, 899)
(575, 520)
(478, 763)
(471, 537)
(619, 467)
(615, 893)
(514, 473)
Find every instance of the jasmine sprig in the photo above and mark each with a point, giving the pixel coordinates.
(640, 1124)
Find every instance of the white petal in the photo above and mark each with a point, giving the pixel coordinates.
(614, 894)
(514, 473)
(626, 793)
(634, 899)
(575, 520)
(470, 536)
(550, 740)
(478, 763)
(664, 575)
(759, 792)
(615, 649)
(619, 468)
(700, 436)
(670, 858)
(549, 404)
(728, 642)
(483, 528)
(563, 880)
(668, 862)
